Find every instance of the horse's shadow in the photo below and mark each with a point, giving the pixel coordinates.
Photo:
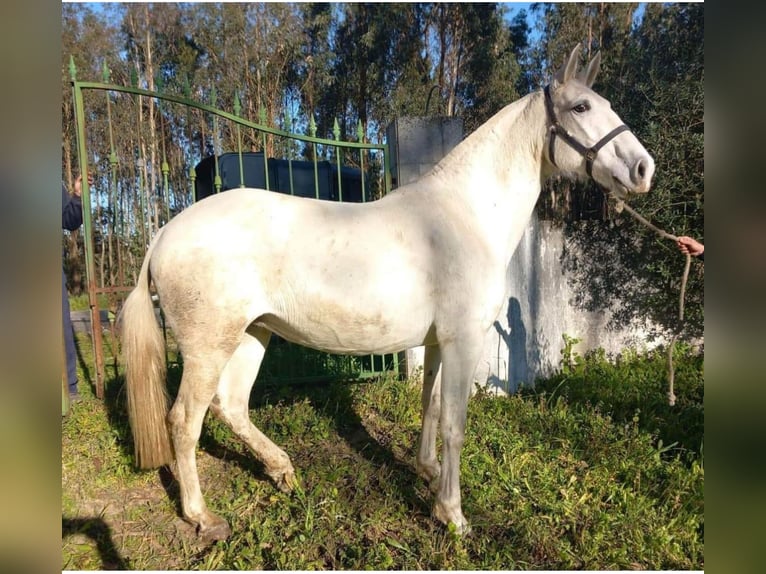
(345, 421)
(101, 534)
(343, 417)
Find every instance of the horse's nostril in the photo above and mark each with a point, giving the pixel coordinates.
(642, 170)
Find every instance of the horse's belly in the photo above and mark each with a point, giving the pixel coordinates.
(340, 328)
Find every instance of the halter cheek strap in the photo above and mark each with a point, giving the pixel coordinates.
(556, 129)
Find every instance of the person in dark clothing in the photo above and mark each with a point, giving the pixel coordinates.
(690, 246)
(71, 219)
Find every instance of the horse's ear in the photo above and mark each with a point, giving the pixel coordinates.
(569, 70)
(592, 71)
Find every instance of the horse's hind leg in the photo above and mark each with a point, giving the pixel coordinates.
(426, 463)
(198, 385)
(231, 405)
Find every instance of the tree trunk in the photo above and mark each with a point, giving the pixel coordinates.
(151, 197)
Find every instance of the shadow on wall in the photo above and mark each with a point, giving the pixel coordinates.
(541, 308)
(523, 365)
(515, 339)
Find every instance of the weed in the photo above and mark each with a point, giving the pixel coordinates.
(590, 470)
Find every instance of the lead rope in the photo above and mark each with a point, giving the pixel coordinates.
(620, 205)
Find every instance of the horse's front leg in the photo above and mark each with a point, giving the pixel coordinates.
(426, 464)
(459, 362)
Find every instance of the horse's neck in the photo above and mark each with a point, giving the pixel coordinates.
(497, 171)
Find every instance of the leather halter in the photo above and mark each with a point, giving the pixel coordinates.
(556, 129)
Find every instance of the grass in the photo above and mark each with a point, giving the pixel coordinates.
(588, 471)
(80, 302)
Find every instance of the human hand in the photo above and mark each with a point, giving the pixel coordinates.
(689, 246)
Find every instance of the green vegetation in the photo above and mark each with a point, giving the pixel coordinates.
(588, 471)
(80, 302)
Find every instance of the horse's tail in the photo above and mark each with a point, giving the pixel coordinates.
(143, 356)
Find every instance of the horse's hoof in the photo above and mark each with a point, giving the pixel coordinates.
(456, 523)
(463, 530)
(433, 484)
(220, 530)
(285, 480)
(429, 473)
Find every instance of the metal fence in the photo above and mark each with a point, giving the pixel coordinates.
(151, 154)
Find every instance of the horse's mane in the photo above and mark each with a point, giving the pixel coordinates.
(508, 129)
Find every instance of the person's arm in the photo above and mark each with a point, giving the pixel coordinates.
(71, 210)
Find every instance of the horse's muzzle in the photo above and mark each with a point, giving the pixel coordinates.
(641, 174)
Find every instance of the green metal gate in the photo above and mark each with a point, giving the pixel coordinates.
(145, 176)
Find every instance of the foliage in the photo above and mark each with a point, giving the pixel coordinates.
(555, 479)
(81, 303)
(632, 387)
(653, 74)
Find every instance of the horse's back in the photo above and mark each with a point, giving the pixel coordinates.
(340, 277)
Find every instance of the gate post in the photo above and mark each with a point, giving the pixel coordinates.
(416, 145)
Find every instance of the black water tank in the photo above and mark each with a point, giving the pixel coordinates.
(296, 177)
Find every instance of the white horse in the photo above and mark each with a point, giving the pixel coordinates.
(425, 265)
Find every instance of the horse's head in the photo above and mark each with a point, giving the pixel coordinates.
(586, 137)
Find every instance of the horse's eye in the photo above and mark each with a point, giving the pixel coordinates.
(581, 108)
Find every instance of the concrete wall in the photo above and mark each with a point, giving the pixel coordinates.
(418, 144)
(528, 335)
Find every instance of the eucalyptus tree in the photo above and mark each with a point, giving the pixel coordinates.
(597, 25)
(370, 45)
(87, 41)
(471, 62)
(520, 45)
(249, 51)
(491, 71)
(311, 72)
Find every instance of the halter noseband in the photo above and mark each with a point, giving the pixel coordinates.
(556, 129)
